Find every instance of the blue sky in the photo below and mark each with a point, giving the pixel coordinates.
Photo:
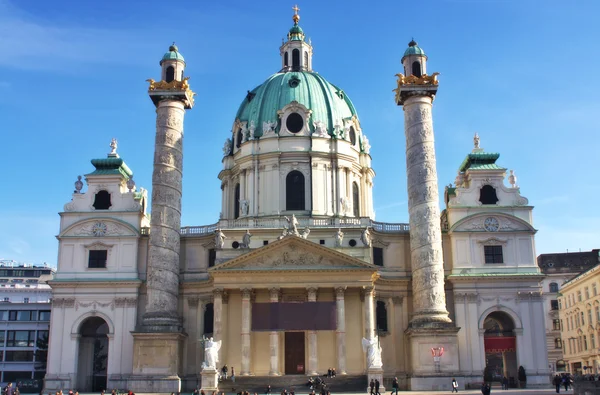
(522, 75)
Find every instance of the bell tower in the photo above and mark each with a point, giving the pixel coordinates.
(160, 332)
(296, 53)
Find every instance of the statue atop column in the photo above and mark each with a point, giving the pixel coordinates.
(373, 350)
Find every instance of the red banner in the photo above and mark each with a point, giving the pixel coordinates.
(499, 344)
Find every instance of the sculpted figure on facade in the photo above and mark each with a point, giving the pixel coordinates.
(305, 233)
(269, 127)
(292, 225)
(345, 205)
(78, 185)
(227, 147)
(113, 147)
(366, 146)
(373, 350)
(320, 129)
(219, 238)
(339, 238)
(244, 206)
(246, 240)
(365, 237)
(476, 141)
(251, 130)
(338, 131)
(211, 354)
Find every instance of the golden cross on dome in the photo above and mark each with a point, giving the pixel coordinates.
(296, 17)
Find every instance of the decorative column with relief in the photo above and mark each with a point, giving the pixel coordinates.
(160, 331)
(274, 337)
(430, 326)
(340, 332)
(313, 359)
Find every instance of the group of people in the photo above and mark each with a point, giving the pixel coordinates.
(564, 380)
(225, 373)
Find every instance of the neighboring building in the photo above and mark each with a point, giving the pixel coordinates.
(296, 274)
(579, 313)
(25, 314)
(557, 269)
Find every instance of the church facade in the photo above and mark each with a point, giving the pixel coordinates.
(296, 274)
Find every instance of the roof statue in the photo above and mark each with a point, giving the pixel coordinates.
(476, 141)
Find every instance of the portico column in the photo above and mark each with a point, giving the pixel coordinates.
(340, 332)
(313, 359)
(369, 313)
(217, 319)
(245, 333)
(274, 337)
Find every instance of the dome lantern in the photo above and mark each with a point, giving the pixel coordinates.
(414, 60)
(172, 64)
(296, 53)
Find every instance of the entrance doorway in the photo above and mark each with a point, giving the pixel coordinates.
(93, 355)
(294, 353)
(500, 348)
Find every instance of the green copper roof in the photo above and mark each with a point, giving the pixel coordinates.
(328, 103)
(173, 54)
(110, 166)
(480, 161)
(413, 49)
(296, 33)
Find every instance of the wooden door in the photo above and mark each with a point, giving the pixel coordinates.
(294, 353)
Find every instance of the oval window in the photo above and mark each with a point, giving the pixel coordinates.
(294, 122)
(352, 135)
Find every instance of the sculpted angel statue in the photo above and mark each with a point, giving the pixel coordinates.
(373, 350)
(365, 237)
(339, 237)
(227, 147)
(219, 238)
(211, 353)
(246, 239)
(269, 127)
(292, 224)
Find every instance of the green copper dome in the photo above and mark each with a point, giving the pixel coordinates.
(173, 54)
(413, 49)
(296, 33)
(328, 103)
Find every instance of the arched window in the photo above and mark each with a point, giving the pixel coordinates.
(487, 195)
(170, 75)
(236, 202)
(553, 287)
(102, 200)
(209, 317)
(296, 60)
(557, 343)
(285, 59)
(181, 75)
(355, 200)
(381, 314)
(416, 68)
(305, 60)
(238, 138)
(294, 191)
(352, 135)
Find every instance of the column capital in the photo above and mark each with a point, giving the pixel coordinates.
(193, 301)
(397, 300)
(339, 291)
(274, 294)
(312, 293)
(247, 293)
(218, 292)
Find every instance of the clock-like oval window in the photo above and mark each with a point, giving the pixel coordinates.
(294, 122)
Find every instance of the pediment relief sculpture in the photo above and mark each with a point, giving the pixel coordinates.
(491, 222)
(99, 227)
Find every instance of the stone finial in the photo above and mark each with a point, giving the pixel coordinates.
(131, 184)
(78, 185)
(512, 179)
(476, 141)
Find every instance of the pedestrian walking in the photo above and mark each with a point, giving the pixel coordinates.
(454, 385)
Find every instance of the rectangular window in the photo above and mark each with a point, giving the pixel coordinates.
(560, 304)
(378, 256)
(493, 254)
(7, 299)
(45, 315)
(554, 304)
(2, 333)
(590, 317)
(212, 257)
(97, 259)
(587, 293)
(593, 339)
(16, 376)
(20, 339)
(561, 327)
(19, 356)
(579, 296)
(556, 325)
(25, 300)
(585, 342)
(3, 315)
(20, 315)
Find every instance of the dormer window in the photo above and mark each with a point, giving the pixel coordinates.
(102, 200)
(352, 135)
(170, 75)
(239, 137)
(487, 195)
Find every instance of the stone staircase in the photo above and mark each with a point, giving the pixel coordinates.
(297, 383)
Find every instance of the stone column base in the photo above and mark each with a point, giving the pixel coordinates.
(56, 382)
(423, 341)
(157, 362)
(210, 379)
(375, 374)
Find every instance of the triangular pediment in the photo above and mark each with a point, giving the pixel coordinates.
(290, 254)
